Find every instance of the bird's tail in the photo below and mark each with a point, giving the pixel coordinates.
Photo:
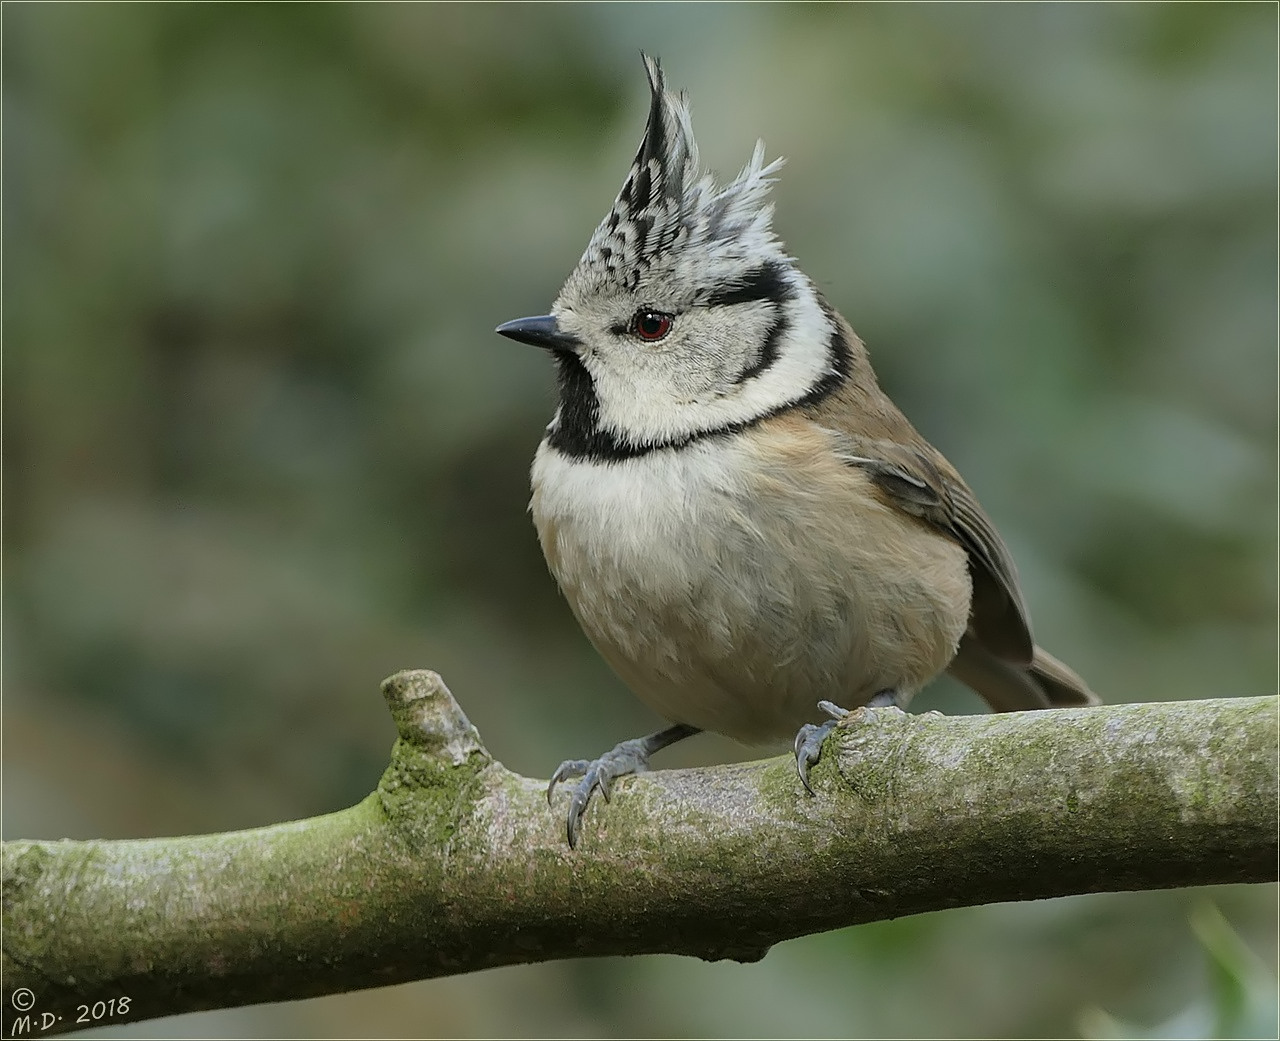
(1008, 687)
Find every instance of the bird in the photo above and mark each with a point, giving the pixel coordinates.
(747, 529)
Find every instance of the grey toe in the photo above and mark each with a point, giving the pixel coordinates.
(809, 748)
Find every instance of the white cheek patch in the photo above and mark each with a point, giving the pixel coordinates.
(664, 397)
(707, 364)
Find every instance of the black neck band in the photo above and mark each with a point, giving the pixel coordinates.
(579, 435)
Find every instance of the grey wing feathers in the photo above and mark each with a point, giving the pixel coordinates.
(999, 612)
(916, 485)
(997, 656)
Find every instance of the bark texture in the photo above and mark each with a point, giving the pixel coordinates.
(455, 864)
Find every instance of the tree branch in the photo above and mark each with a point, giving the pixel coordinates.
(456, 864)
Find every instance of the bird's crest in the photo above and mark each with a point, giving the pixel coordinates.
(666, 205)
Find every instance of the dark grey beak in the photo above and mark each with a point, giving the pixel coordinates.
(543, 331)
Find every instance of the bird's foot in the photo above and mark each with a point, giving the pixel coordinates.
(626, 757)
(810, 737)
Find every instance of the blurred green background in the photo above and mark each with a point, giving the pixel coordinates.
(262, 447)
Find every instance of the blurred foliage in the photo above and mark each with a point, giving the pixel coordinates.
(1241, 1002)
(262, 448)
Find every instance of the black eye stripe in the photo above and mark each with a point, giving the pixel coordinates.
(766, 282)
(768, 351)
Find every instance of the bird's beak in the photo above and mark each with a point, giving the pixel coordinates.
(542, 331)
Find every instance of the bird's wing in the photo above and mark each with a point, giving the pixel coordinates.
(917, 481)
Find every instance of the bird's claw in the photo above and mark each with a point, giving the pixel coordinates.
(809, 748)
(596, 774)
(569, 768)
(809, 738)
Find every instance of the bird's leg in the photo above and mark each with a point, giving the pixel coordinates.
(810, 737)
(883, 699)
(627, 757)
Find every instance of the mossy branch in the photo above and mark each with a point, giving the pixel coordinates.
(456, 864)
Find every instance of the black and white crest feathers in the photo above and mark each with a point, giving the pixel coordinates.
(667, 206)
(747, 334)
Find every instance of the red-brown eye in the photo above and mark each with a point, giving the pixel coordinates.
(650, 325)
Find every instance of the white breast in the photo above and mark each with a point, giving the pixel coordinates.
(731, 589)
(637, 521)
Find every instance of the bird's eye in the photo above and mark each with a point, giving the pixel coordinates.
(650, 325)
